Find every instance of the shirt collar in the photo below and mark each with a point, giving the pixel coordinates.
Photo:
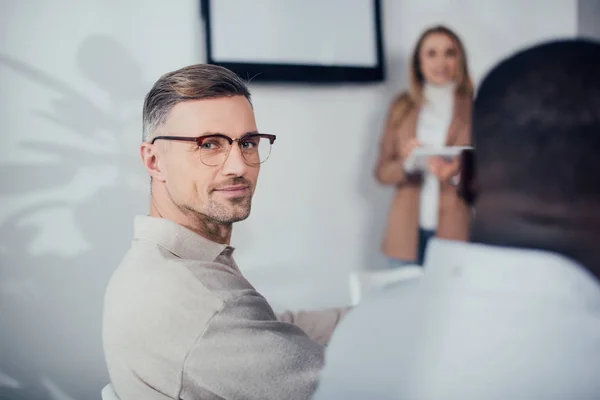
(179, 240)
(530, 272)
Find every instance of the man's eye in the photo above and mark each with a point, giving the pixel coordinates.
(209, 145)
(250, 143)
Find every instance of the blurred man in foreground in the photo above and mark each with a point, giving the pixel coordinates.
(515, 313)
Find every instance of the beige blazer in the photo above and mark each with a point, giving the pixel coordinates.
(401, 235)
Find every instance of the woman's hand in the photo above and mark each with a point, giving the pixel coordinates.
(408, 147)
(444, 169)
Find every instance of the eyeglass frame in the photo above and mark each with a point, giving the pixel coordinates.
(201, 138)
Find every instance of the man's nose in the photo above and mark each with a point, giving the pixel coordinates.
(235, 164)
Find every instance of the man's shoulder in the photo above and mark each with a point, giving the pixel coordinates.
(158, 290)
(157, 305)
(370, 341)
(388, 309)
(389, 299)
(148, 263)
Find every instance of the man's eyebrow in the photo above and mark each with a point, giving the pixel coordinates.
(221, 133)
(211, 133)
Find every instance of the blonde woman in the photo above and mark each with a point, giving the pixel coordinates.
(436, 111)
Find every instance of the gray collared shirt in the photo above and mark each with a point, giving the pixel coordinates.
(181, 322)
(482, 323)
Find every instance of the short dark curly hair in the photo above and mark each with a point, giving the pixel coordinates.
(536, 123)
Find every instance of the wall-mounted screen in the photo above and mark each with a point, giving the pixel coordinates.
(296, 41)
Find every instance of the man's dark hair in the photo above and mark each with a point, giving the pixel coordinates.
(536, 123)
(195, 82)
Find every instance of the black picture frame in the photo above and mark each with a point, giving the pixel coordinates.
(302, 73)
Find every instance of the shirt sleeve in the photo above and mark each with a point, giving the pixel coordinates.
(318, 325)
(246, 353)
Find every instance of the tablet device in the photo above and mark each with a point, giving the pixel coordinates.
(417, 161)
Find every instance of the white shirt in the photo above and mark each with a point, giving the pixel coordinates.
(483, 322)
(435, 117)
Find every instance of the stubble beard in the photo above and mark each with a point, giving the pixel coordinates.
(229, 211)
(224, 212)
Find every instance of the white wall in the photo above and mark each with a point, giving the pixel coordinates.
(588, 18)
(72, 78)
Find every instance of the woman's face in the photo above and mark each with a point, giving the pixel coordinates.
(439, 59)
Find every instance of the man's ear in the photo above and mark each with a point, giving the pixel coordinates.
(467, 184)
(151, 157)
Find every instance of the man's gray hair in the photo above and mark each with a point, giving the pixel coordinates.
(195, 82)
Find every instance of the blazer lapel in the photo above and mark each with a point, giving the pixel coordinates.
(408, 129)
(459, 118)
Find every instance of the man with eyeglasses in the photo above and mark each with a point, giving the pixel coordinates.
(180, 320)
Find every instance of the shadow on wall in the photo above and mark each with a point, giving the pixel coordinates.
(71, 222)
(378, 197)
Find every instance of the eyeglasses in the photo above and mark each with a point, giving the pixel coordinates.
(214, 149)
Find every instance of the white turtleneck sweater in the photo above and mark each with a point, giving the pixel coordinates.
(433, 124)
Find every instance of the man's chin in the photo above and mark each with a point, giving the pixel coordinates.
(240, 218)
(232, 216)
(229, 219)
